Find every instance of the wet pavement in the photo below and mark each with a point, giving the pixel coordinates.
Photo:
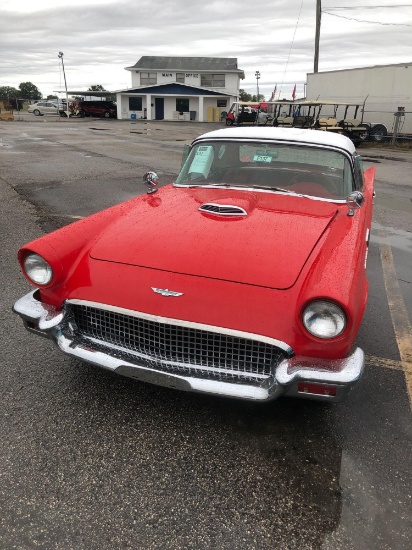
(93, 460)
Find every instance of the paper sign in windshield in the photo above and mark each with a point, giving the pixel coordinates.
(203, 160)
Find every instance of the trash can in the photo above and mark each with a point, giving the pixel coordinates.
(133, 116)
(192, 115)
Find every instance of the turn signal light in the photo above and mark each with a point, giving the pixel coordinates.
(316, 389)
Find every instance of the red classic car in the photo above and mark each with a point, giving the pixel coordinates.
(243, 278)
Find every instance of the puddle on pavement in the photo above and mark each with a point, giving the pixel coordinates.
(89, 155)
(402, 204)
(365, 516)
(402, 240)
(371, 159)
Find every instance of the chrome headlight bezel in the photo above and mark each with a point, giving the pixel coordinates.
(324, 319)
(37, 269)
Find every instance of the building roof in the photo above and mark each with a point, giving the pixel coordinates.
(173, 88)
(187, 64)
(405, 64)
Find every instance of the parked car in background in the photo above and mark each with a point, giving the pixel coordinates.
(47, 108)
(107, 109)
(244, 278)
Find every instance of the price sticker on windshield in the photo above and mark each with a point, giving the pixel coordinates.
(262, 158)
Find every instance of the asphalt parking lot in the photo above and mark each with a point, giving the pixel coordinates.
(93, 460)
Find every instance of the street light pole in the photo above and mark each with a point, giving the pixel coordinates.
(257, 75)
(60, 56)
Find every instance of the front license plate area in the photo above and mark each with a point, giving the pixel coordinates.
(154, 377)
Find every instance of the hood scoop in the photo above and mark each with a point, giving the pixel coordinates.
(222, 209)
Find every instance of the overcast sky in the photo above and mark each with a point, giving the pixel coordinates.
(99, 38)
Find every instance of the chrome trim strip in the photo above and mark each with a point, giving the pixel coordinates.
(255, 190)
(189, 324)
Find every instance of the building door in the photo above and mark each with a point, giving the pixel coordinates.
(159, 108)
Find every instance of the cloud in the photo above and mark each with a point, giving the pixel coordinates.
(100, 39)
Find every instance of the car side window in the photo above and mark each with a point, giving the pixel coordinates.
(359, 169)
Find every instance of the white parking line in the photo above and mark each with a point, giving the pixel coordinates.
(398, 311)
(372, 361)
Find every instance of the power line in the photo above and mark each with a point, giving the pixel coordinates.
(290, 51)
(366, 21)
(370, 7)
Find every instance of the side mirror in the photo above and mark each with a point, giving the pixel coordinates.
(354, 201)
(152, 181)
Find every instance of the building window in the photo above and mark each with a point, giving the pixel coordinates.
(212, 80)
(135, 104)
(222, 102)
(180, 77)
(182, 105)
(148, 78)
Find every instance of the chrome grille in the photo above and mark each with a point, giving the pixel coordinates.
(173, 348)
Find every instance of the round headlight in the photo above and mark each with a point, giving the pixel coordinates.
(324, 319)
(37, 269)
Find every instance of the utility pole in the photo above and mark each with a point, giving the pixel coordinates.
(317, 35)
(60, 56)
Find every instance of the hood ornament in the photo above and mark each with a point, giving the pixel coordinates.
(166, 292)
(151, 179)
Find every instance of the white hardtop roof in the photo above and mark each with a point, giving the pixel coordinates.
(297, 135)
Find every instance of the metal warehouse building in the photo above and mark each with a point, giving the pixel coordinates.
(386, 88)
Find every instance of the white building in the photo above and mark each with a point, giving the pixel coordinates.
(384, 87)
(180, 88)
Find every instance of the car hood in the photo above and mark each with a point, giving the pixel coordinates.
(267, 246)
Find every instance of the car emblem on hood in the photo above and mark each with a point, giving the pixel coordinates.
(166, 292)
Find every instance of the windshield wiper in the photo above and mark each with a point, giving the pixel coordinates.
(242, 186)
(270, 188)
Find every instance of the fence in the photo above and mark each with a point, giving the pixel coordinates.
(397, 120)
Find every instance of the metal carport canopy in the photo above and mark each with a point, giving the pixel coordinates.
(85, 93)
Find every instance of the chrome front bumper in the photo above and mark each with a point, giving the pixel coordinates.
(297, 376)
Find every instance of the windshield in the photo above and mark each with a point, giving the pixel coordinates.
(313, 171)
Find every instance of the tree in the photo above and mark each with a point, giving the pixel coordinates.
(9, 91)
(96, 88)
(52, 97)
(100, 88)
(244, 96)
(259, 99)
(29, 91)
